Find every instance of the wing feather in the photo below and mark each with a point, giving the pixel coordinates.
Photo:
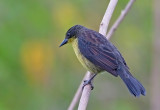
(98, 50)
(99, 55)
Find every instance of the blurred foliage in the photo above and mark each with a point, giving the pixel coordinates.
(37, 75)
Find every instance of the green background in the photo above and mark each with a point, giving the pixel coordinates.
(35, 74)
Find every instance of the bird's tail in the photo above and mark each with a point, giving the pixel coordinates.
(133, 85)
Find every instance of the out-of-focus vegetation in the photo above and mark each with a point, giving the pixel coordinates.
(35, 74)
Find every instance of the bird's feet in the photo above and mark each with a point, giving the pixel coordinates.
(88, 82)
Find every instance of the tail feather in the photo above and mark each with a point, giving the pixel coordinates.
(133, 85)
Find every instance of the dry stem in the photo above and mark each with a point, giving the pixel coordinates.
(120, 19)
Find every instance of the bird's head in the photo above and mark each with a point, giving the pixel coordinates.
(71, 34)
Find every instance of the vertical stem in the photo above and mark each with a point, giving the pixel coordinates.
(77, 95)
(107, 16)
(85, 94)
(120, 19)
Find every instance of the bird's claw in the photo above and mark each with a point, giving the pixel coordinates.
(88, 82)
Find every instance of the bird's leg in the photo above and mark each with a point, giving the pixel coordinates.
(86, 82)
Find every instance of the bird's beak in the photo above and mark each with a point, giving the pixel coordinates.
(64, 42)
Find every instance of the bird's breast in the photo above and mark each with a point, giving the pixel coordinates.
(85, 62)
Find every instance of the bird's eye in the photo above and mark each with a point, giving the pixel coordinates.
(68, 34)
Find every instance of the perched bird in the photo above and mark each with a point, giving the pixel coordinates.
(97, 54)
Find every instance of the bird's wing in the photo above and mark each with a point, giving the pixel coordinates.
(97, 50)
(124, 62)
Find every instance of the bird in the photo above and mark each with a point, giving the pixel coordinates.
(97, 54)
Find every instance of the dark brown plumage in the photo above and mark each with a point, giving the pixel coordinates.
(98, 54)
(97, 49)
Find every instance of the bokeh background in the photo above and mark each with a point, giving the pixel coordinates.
(35, 74)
